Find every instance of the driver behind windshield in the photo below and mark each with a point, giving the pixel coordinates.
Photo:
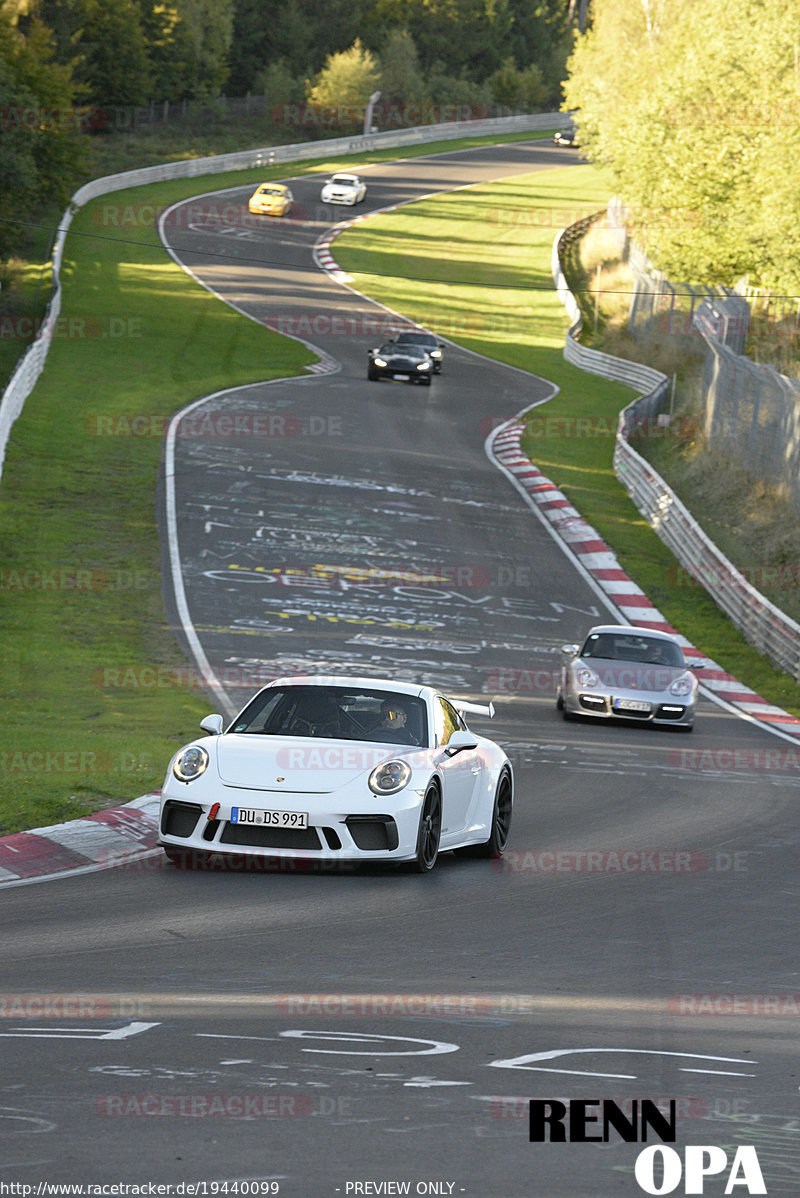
(392, 725)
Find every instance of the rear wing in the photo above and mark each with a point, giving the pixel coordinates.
(473, 708)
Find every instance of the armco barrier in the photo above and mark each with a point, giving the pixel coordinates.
(31, 365)
(761, 623)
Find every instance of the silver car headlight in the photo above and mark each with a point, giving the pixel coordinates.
(424, 366)
(586, 677)
(388, 778)
(682, 686)
(190, 764)
(379, 361)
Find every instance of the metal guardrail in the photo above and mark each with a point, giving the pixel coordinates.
(761, 623)
(30, 366)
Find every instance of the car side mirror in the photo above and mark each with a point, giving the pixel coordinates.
(571, 650)
(212, 724)
(459, 741)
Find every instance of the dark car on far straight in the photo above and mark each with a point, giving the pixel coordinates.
(428, 343)
(403, 363)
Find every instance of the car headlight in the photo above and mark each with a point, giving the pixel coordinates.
(379, 361)
(388, 778)
(435, 353)
(586, 677)
(190, 764)
(424, 366)
(682, 686)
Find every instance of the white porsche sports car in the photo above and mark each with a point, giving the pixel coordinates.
(343, 189)
(339, 769)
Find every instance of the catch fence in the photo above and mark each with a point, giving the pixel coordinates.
(763, 625)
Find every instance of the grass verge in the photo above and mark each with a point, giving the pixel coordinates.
(95, 686)
(484, 258)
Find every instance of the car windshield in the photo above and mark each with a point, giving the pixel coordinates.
(416, 339)
(626, 646)
(335, 712)
(345, 180)
(408, 351)
(271, 191)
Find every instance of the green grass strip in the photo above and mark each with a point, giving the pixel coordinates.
(97, 694)
(481, 259)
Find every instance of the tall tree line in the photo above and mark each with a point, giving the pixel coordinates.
(132, 52)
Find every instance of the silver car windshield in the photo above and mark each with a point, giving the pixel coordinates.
(623, 646)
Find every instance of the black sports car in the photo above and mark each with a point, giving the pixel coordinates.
(403, 363)
(427, 341)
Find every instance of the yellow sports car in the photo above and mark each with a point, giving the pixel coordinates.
(271, 199)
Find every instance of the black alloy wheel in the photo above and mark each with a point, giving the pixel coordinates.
(430, 830)
(501, 820)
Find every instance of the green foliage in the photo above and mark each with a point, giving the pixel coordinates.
(209, 30)
(512, 88)
(42, 153)
(401, 78)
(540, 36)
(447, 89)
(348, 78)
(114, 64)
(695, 109)
(167, 44)
(279, 85)
(135, 52)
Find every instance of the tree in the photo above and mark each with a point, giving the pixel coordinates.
(541, 36)
(690, 105)
(168, 49)
(512, 88)
(348, 78)
(401, 80)
(43, 155)
(279, 85)
(114, 65)
(208, 26)
(468, 36)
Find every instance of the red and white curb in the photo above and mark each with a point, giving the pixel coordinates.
(601, 564)
(104, 840)
(323, 256)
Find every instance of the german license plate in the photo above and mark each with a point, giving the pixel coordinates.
(402, 377)
(631, 705)
(269, 819)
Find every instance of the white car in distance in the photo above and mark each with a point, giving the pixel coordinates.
(343, 189)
